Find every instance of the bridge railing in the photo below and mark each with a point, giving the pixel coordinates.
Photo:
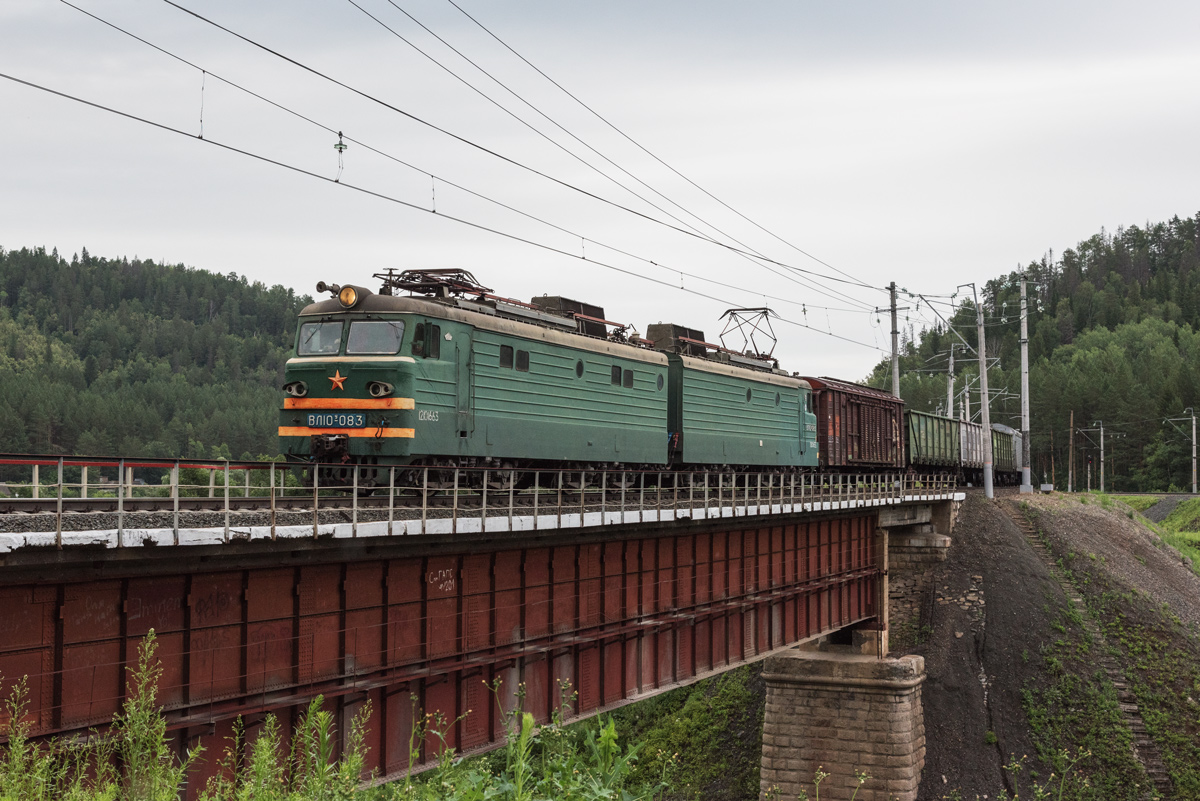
(260, 500)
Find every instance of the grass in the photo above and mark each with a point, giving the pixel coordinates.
(135, 761)
(1139, 503)
(705, 740)
(1164, 676)
(1181, 530)
(701, 741)
(1075, 721)
(1158, 656)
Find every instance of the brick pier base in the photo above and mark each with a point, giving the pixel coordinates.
(843, 713)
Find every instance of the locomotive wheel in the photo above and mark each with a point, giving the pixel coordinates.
(504, 479)
(621, 480)
(580, 479)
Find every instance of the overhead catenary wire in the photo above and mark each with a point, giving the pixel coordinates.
(507, 159)
(437, 178)
(401, 202)
(538, 111)
(744, 251)
(641, 147)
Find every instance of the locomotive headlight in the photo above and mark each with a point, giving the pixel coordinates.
(348, 296)
(297, 389)
(380, 389)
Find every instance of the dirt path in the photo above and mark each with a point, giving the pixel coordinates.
(1161, 510)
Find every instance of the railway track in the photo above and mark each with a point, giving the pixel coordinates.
(409, 500)
(539, 506)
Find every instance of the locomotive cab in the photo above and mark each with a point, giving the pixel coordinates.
(348, 385)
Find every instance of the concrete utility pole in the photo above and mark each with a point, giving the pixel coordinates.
(895, 345)
(1026, 483)
(950, 385)
(1173, 420)
(1101, 424)
(1071, 457)
(984, 401)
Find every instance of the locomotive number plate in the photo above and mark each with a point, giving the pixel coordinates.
(336, 420)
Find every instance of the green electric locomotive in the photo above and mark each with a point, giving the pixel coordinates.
(452, 375)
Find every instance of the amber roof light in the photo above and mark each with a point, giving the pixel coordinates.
(348, 296)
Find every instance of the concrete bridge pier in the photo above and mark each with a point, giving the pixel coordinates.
(843, 714)
(837, 705)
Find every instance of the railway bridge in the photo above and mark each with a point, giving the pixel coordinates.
(576, 592)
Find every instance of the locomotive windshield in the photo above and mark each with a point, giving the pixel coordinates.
(375, 337)
(320, 339)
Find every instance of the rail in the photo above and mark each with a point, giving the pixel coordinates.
(266, 500)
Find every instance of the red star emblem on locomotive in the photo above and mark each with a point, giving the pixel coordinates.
(338, 380)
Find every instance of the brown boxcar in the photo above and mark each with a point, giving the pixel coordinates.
(858, 426)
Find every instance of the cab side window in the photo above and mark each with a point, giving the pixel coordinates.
(427, 341)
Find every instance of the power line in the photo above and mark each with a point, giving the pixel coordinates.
(504, 158)
(534, 108)
(405, 203)
(638, 145)
(436, 177)
(510, 113)
(745, 250)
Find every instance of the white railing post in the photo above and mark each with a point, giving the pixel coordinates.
(454, 505)
(354, 503)
(58, 513)
(604, 497)
(83, 481)
(175, 502)
(558, 507)
(316, 476)
(512, 502)
(226, 477)
(424, 497)
(391, 497)
(272, 485)
(537, 487)
(120, 502)
(642, 496)
(483, 504)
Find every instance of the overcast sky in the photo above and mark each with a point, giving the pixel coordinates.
(929, 143)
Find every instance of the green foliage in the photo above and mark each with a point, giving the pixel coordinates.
(151, 770)
(1140, 503)
(1076, 723)
(1113, 336)
(583, 763)
(1181, 530)
(100, 356)
(699, 737)
(1163, 672)
(133, 761)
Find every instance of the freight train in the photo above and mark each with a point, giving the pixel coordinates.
(451, 375)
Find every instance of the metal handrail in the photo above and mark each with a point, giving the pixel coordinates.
(552, 498)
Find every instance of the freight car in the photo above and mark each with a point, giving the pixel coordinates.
(858, 428)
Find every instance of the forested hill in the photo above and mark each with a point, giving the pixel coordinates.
(1114, 335)
(112, 356)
